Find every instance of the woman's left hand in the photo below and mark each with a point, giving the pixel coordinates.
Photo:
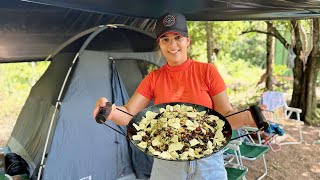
(250, 121)
(263, 107)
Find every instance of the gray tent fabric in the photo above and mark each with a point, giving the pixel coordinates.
(204, 10)
(30, 130)
(120, 95)
(30, 29)
(75, 135)
(141, 162)
(79, 148)
(117, 163)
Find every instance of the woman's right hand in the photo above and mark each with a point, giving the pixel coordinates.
(101, 102)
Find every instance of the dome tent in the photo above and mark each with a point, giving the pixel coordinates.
(55, 131)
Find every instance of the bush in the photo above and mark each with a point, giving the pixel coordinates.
(241, 79)
(16, 80)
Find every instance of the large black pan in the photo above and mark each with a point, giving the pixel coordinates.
(227, 131)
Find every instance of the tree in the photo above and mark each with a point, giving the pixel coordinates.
(270, 58)
(225, 37)
(306, 64)
(306, 68)
(210, 42)
(309, 99)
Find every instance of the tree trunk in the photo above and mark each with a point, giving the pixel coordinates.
(209, 41)
(270, 58)
(298, 93)
(311, 72)
(305, 74)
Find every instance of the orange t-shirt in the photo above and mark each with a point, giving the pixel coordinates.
(191, 82)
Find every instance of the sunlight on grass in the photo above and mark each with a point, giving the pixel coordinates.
(16, 80)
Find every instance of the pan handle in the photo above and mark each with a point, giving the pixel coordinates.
(258, 117)
(115, 130)
(105, 111)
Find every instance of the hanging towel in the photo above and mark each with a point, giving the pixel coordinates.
(273, 100)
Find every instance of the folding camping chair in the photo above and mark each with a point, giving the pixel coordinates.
(267, 137)
(234, 166)
(279, 112)
(249, 150)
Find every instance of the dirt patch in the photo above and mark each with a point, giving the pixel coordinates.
(299, 161)
(6, 127)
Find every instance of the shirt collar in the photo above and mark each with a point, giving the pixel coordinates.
(180, 67)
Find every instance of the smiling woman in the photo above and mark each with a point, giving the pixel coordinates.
(180, 80)
(174, 47)
(172, 36)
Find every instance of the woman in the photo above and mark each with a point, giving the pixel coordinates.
(181, 80)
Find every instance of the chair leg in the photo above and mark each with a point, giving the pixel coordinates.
(264, 163)
(268, 142)
(300, 133)
(244, 177)
(265, 168)
(296, 142)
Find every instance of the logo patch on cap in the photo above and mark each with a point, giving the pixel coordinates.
(169, 20)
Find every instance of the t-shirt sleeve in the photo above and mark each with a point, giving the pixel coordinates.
(215, 81)
(145, 87)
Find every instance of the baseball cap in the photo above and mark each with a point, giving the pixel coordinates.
(171, 22)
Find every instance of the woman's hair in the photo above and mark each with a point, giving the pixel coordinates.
(158, 51)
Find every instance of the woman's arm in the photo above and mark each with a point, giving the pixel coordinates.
(222, 105)
(135, 104)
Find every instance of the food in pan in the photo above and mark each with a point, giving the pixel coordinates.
(179, 132)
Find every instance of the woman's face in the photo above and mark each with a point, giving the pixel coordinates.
(174, 48)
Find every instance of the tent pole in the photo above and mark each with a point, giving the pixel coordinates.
(52, 118)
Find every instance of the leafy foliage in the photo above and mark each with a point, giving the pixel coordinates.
(16, 81)
(227, 37)
(284, 83)
(241, 79)
(252, 49)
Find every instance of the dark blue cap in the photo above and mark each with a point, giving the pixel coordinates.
(171, 22)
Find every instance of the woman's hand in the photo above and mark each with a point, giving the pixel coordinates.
(263, 107)
(250, 121)
(101, 102)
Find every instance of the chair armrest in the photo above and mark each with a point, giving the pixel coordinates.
(236, 142)
(297, 110)
(232, 146)
(247, 128)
